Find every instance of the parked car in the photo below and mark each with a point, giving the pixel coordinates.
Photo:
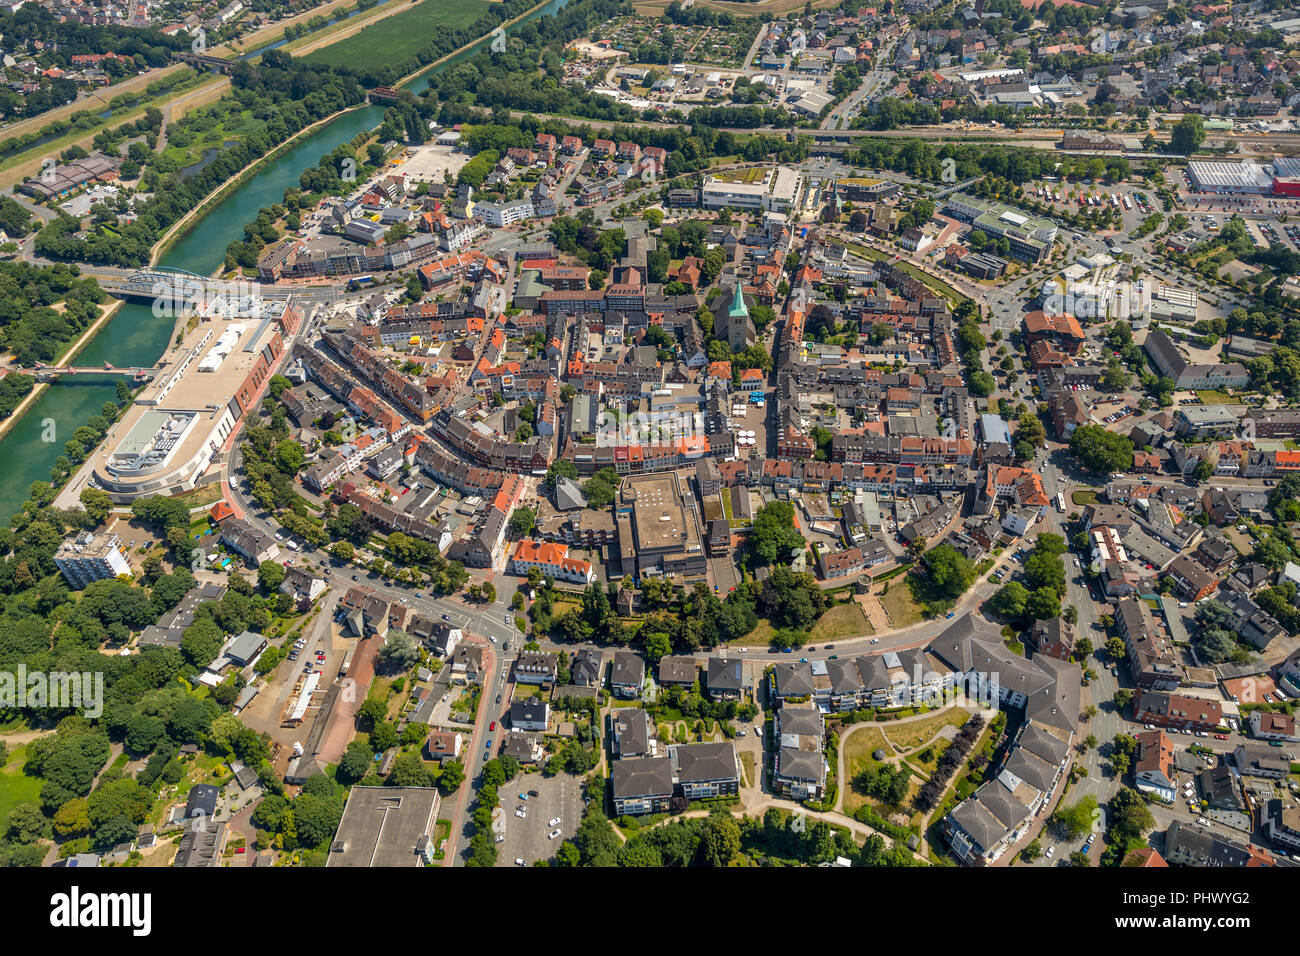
(554, 823)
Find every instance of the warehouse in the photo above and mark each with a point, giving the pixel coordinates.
(1286, 176)
(1238, 178)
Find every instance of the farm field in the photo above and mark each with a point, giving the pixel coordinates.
(394, 38)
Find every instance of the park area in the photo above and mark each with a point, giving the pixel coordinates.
(399, 36)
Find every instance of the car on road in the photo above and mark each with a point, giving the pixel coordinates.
(492, 726)
(354, 577)
(498, 698)
(875, 640)
(553, 834)
(1220, 736)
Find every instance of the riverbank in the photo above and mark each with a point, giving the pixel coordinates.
(183, 225)
(179, 229)
(82, 341)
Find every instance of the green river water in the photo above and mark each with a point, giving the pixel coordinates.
(135, 337)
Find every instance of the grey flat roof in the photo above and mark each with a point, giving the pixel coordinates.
(382, 825)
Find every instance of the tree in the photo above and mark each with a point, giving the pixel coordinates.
(522, 521)
(289, 456)
(1100, 451)
(409, 770)
(773, 536)
(26, 824)
(1010, 600)
(1188, 134)
(1044, 603)
(452, 776)
(1074, 821)
(949, 572)
(400, 652)
(719, 839)
(356, 761)
(270, 575)
(96, 503)
(982, 384)
(600, 488)
(1130, 819)
(1115, 378)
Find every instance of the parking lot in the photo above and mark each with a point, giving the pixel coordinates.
(526, 838)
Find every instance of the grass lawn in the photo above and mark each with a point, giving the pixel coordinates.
(900, 605)
(1084, 497)
(1213, 396)
(862, 741)
(843, 620)
(747, 758)
(928, 766)
(394, 38)
(760, 636)
(15, 786)
(914, 733)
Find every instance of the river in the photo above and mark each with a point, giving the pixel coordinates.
(135, 337)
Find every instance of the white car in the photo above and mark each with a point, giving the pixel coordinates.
(519, 861)
(553, 834)
(492, 638)
(1050, 851)
(521, 815)
(554, 823)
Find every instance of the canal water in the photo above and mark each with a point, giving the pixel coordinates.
(135, 337)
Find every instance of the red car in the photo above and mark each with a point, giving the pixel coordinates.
(492, 726)
(1220, 736)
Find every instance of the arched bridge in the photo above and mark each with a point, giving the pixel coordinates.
(181, 288)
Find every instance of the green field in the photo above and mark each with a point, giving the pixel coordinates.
(15, 786)
(394, 38)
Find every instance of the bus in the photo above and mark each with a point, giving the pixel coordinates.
(1060, 502)
(360, 282)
